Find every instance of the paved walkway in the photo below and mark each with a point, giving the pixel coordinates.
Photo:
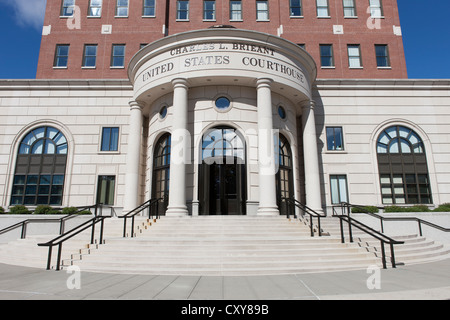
(419, 282)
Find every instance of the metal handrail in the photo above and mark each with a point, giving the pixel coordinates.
(131, 214)
(58, 241)
(61, 220)
(374, 233)
(308, 211)
(382, 219)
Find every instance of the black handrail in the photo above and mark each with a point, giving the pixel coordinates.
(374, 233)
(131, 214)
(382, 219)
(306, 210)
(58, 241)
(61, 220)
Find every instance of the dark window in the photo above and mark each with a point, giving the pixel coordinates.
(403, 167)
(106, 189)
(67, 8)
(335, 138)
(149, 8)
(182, 10)
(118, 55)
(326, 55)
(90, 55)
(209, 10)
(110, 139)
(161, 170)
(61, 55)
(40, 168)
(382, 53)
(296, 8)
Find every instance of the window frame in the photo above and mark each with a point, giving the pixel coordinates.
(380, 8)
(113, 56)
(90, 7)
(186, 11)
(266, 11)
(359, 56)
(84, 66)
(339, 178)
(300, 7)
(144, 6)
(110, 143)
(118, 7)
(386, 56)
(57, 56)
(332, 143)
(109, 179)
(239, 12)
(63, 11)
(332, 66)
(321, 7)
(208, 11)
(353, 8)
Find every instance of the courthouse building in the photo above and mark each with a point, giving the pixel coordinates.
(223, 107)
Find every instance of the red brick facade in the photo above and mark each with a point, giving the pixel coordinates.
(308, 29)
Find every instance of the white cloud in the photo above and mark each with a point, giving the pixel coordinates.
(28, 12)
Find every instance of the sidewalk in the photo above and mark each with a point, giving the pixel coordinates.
(429, 281)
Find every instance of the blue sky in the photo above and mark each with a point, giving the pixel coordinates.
(425, 28)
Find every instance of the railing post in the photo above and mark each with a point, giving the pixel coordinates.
(124, 227)
(93, 231)
(420, 227)
(58, 263)
(383, 255)
(24, 230)
(342, 230)
(311, 226)
(101, 230)
(350, 234)
(320, 228)
(49, 258)
(392, 255)
(382, 225)
(132, 226)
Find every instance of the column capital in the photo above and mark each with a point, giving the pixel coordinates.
(134, 104)
(308, 104)
(180, 83)
(263, 82)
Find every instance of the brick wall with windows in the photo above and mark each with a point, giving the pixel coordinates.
(339, 23)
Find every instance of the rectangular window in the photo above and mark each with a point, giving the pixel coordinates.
(326, 55)
(349, 8)
(236, 10)
(376, 8)
(382, 54)
(110, 139)
(118, 56)
(182, 10)
(90, 56)
(262, 10)
(354, 56)
(149, 8)
(296, 8)
(322, 8)
(67, 8)
(95, 8)
(61, 56)
(335, 138)
(338, 188)
(106, 189)
(122, 8)
(209, 10)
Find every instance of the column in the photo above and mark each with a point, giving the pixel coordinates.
(266, 150)
(311, 158)
(180, 150)
(133, 156)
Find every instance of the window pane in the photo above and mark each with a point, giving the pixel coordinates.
(296, 8)
(235, 10)
(262, 10)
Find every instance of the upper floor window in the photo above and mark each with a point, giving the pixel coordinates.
(122, 8)
(149, 8)
(90, 55)
(110, 139)
(322, 8)
(209, 10)
(335, 139)
(295, 8)
(236, 10)
(376, 8)
(382, 54)
(182, 10)
(118, 55)
(349, 8)
(262, 10)
(326, 55)
(61, 56)
(354, 56)
(95, 8)
(67, 8)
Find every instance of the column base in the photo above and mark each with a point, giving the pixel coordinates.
(177, 211)
(268, 211)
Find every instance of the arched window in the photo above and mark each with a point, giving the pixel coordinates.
(403, 167)
(284, 176)
(40, 168)
(161, 170)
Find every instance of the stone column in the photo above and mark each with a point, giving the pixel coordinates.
(311, 158)
(266, 148)
(180, 150)
(133, 156)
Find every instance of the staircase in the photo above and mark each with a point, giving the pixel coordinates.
(219, 245)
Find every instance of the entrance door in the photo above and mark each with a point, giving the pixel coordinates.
(222, 188)
(284, 177)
